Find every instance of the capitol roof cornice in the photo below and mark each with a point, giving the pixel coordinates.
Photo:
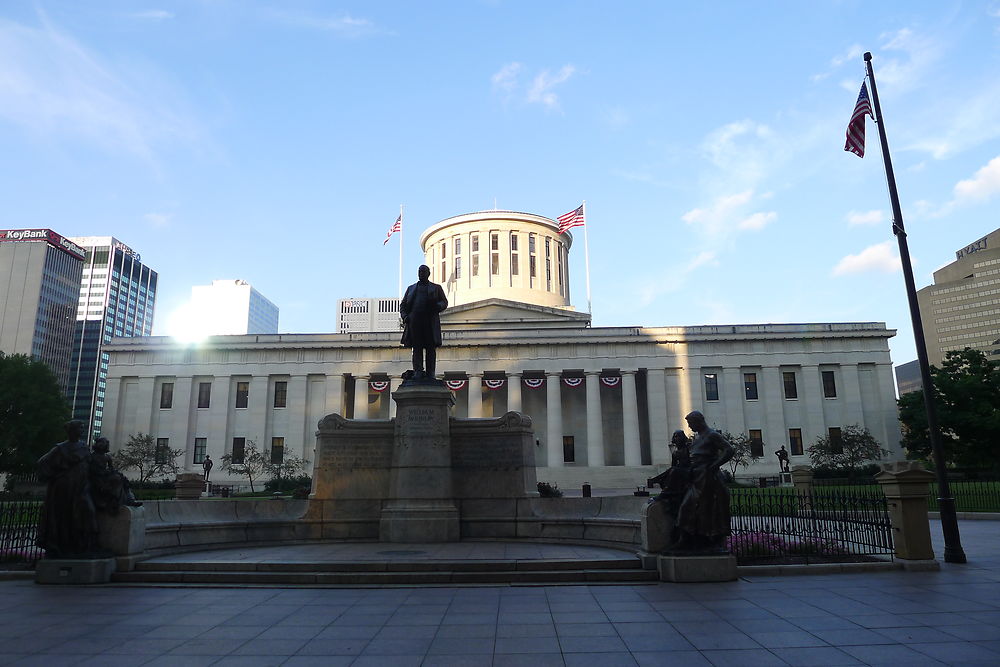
(517, 216)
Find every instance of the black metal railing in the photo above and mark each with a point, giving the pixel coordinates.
(18, 525)
(782, 525)
(971, 495)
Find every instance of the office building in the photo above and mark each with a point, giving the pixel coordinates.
(962, 308)
(603, 400)
(908, 377)
(232, 307)
(361, 315)
(39, 285)
(117, 298)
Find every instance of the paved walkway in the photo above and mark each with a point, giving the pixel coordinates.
(951, 617)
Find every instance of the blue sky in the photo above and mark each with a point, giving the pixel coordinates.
(274, 142)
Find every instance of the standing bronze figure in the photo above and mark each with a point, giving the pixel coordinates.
(421, 312)
(703, 515)
(68, 525)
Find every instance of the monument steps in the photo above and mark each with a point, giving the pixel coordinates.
(437, 572)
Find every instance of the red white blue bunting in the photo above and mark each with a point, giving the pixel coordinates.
(533, 383)
(455, 385)
(378, 385)
(572, 382)
(494, 384)
(612, 381)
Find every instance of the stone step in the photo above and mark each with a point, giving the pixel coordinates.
(475, 565)
(418, 578)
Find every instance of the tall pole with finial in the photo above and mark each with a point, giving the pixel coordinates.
(953, 552)
(586, 259)
(400, 252)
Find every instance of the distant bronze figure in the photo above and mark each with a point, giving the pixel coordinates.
(109, 488)
(207, 465)
(68, 525)
(421, 312)
(782, 455)
(703, 514)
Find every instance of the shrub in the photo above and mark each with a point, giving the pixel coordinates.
(302, 493)
(546, 490)
(288, 484)
(756, 544)
(815, 547)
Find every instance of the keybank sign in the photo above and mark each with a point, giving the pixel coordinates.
(44, 235)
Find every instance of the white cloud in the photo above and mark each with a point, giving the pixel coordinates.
(855, 218)
(153, 15)
(674, 278)
(878, 258)
(541, 92)
(716, 219)
(505, 78)
(343, 26)
(852, 53)
(758, 220)
(55, 87)
(982, 186)
(158, 219)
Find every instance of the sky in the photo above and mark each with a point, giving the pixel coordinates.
(275, 142)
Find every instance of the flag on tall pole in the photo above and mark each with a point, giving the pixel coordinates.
(396, 227)
(856, 128)
(574, 218)
(578, 218)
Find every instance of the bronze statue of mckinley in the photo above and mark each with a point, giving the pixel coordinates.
(420, 310)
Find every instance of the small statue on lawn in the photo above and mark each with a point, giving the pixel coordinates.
(782, 455)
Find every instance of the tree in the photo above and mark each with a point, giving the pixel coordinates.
(151, 460)
(855, 446)
(252, 466)
(967, 388)
(282, 469)
(743, 454)
(33, 412)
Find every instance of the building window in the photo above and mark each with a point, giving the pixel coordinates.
(239, 450)
(756, 442)
(204, 394)
(277, 450)
(280, 394)
(200, 445)
(444, 272)
(750, 386)
(242, 394)
(531, 243)
(458, 245)
(791, 390)
(495, 263)
(166, 395)
(475, 265)
(836, 442)
(569, 449)
(513, 242)
(458, 267)
(475, 243)
(829, 385)
(531, 266)
(444, 250)
(711, 386)
(795, 441)
(494, 241)
(162, 454)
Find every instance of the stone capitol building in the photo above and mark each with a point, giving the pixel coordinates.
(603, 400)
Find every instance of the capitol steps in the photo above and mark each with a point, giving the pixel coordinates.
(389, 573)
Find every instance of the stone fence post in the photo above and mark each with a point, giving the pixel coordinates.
(906, 487)
(802, 480)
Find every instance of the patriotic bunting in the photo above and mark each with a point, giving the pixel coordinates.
(613, 381)
(494, 384)
(455, 385)
(378, 385)
(572, 382)
(533, 383)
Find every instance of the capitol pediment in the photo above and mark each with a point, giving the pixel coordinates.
(510, 315)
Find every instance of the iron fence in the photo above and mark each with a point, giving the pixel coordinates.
(783, 525)
(18, 526)
(971, 495)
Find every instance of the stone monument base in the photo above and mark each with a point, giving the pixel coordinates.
(74, 570)
(696, 569)
(419, 522)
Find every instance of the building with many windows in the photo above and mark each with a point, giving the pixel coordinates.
(231, 307)
(360, 315)
(962, 308)
(117, 298)
(603, 400)
(39, 285)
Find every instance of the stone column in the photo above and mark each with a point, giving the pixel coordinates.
(595, 423)
(394, 383)
(659, 431)
(514, 392)
(475, 395)
(630, 420)
(906, 486)
(300, 436)
(553, 420)
(335, 395)
(361, 397)
(732, 393)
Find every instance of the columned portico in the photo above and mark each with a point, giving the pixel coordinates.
(475, 395)
(630, 420)
(553, 418)
(394, 383)
(595, 422)
(514, 392)
(361, 397)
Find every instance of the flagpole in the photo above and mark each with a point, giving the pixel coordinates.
(400, 252)
(953, 552)
(586, 257)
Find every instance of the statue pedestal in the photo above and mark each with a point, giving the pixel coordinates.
(74, 570)
(697, 569)
(421, 506)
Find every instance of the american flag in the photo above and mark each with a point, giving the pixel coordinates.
(856, 128)
(572, 219)
(396, 227)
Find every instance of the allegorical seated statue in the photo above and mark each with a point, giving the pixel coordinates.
(674, 481)
(109, 488)
(702, 522)
(68, 525)
(420, 310)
